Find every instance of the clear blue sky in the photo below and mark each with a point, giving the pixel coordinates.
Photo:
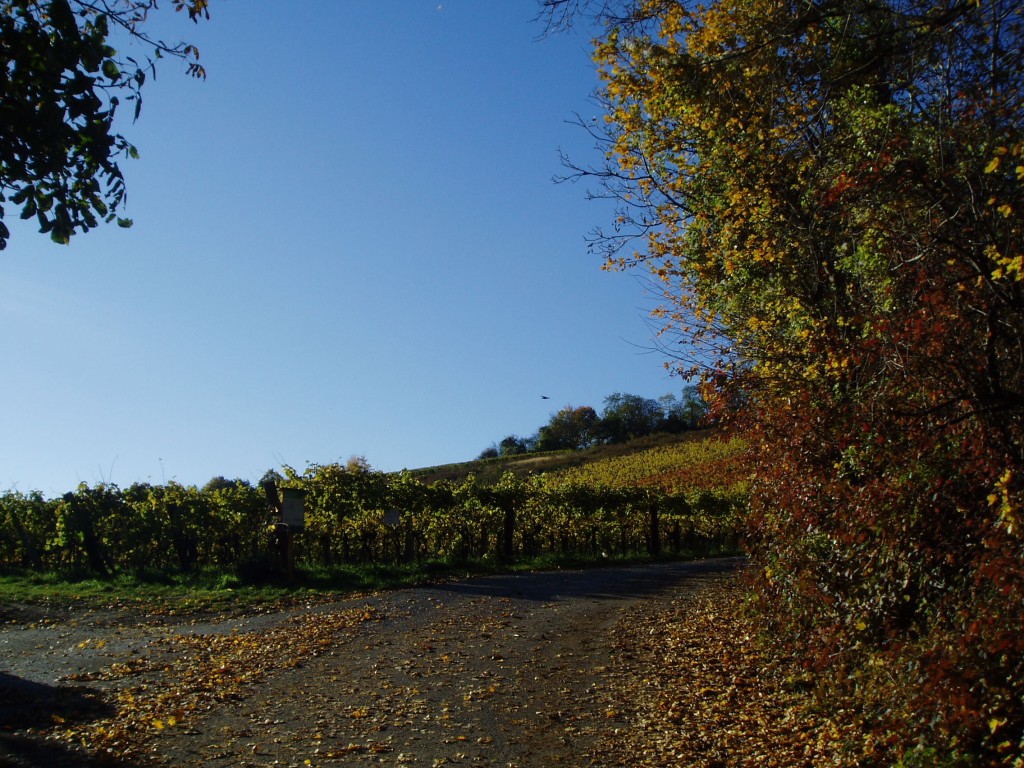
(346, 242)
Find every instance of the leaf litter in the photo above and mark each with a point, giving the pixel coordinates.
(694, 687)
(197, 672)
(674, 678)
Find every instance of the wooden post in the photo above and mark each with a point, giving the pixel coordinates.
(293, 515)
(84, 524)
(509, 538)
(290, 505)
(393, 521)
(654, 546)
(270, 491)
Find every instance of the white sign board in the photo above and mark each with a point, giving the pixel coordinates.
(293, 508)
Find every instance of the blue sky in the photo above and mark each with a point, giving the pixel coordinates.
(347, 242)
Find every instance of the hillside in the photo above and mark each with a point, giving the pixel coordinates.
(488, 471)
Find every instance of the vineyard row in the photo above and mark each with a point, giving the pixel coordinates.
(358, 517)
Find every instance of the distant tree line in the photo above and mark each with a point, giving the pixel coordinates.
(624, 417)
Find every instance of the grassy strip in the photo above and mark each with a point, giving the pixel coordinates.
(213, 589)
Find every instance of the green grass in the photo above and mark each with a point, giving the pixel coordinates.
(158, 593)
(248, 588)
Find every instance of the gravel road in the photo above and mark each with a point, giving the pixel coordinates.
(496, 671)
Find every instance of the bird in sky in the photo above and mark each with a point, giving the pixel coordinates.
(544, 397)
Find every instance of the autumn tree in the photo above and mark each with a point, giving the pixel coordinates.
(688, 412)
(830, 196)
(571, 428)
(626, 417)
(61, 82)
(490, 452)
(513, 445)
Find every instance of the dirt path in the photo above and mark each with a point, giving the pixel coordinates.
(497, 671)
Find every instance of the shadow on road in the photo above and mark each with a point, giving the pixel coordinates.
(612, 583)
(27, 707)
